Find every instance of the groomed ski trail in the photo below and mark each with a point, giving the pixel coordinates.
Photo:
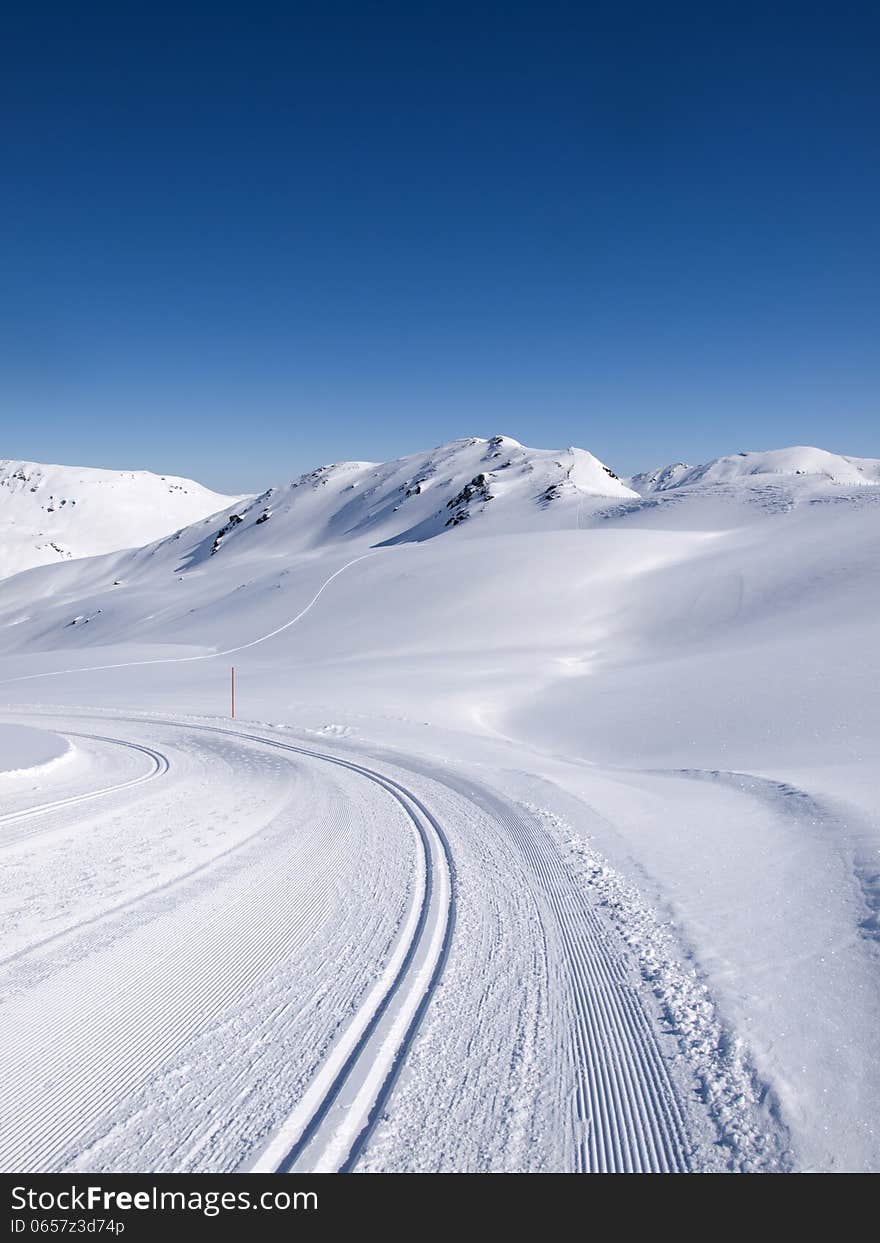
(626, 1114)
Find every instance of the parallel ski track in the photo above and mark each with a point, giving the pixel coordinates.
(367, 1058)
(160, 766)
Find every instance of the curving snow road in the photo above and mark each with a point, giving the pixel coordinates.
(283, 958)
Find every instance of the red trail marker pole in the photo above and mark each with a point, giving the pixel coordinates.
(232, 690)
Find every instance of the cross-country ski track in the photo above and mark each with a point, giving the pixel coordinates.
(258, 1010)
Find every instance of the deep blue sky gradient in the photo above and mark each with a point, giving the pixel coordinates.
(241, 240)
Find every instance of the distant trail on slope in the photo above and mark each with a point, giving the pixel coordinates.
(182, 660)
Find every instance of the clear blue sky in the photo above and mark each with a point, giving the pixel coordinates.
(239, 240)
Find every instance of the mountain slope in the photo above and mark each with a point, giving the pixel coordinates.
(57, 513)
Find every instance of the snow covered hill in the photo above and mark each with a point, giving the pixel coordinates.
(816, 468)
(56, 513)
(746, 487)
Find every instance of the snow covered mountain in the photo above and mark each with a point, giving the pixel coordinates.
(475, 487)
(240, 559)
(57, 513)
(232, 571)
(639, 711)
(497, 485)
